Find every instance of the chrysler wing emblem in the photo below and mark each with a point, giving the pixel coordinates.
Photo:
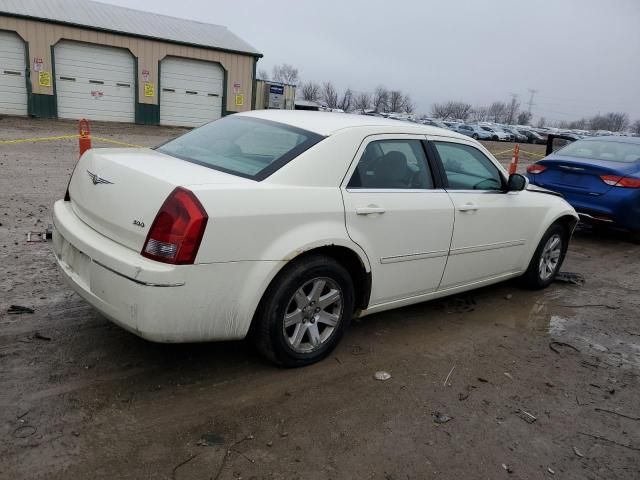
(96, 179)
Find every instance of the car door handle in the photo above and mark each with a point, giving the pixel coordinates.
(468, 207)
(370, 210)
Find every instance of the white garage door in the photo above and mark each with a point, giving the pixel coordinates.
(94, 82)
(191, 92)
(13, 86)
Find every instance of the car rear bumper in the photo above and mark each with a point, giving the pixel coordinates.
(159, 302)
(618, 207)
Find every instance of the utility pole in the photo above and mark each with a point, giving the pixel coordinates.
(531, 104)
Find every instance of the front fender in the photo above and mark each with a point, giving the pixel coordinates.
(560, 210)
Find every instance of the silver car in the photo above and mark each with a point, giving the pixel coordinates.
(474, 131)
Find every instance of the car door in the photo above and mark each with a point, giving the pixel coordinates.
(396, 210)
(492, 227)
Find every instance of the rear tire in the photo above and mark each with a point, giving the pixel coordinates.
(547, 259)
(304, 312)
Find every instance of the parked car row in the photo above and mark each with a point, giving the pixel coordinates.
(492, 131)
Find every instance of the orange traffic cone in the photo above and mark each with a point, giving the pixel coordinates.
(513, 166)
(84, 142)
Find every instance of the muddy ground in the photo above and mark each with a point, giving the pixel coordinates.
(81, 398)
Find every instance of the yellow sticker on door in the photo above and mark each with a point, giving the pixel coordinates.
(239, 100)
(44, 79)
(149, 91)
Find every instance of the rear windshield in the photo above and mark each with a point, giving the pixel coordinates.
(244, 146)
(602, 150)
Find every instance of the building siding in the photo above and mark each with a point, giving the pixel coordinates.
(41, 36)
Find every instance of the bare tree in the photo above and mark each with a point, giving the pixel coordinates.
(440, 110)
(581, 124)
(635, 128)
(381, 99)
(541, 122)
(396, 101)
(453, 110)
(512, 111)
(460, 110)
(497, 111)
(346, 100)
(263, 74)
(329, 95)
(618, 121)
(524, 118)
(362, 102)
(479, 114)
(285, 73)
(310, 91)
(409, 107)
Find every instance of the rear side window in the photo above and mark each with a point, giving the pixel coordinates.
(244, 146)
(467, 168)
(392, 164)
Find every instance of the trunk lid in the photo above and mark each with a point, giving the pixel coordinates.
(568, 174)
(118, 192)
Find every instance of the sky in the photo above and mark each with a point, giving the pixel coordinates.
(582, 56)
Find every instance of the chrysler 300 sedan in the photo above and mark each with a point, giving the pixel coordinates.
(283, 225)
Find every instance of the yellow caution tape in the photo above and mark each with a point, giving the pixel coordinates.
(501, 153)
(38, 139)
(67, 137)
(533, 154)
(495, 154)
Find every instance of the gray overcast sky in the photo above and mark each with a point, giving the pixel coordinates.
(583, 56)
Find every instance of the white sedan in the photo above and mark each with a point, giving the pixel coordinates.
(283, 225)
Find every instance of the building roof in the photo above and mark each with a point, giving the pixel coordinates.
(104, 17)
(327, 123)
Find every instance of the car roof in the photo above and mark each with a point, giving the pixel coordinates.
(327, 123)
(613, 138)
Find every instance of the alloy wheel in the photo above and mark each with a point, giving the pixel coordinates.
(313, 314)
(550, 258)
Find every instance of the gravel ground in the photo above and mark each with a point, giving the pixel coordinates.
(81, 398)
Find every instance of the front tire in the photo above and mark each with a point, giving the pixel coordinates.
(474, 136)
(304, 312)
(547, 259)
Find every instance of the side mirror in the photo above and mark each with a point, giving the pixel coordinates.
(517, 183)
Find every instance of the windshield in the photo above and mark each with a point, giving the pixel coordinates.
(603, 150)
(244, 146)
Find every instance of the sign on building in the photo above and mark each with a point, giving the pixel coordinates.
(275, 96)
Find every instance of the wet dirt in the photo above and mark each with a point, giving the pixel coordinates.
(94, 401)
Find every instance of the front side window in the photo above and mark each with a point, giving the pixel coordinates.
(392, 164)
(467, 168)
(244, 146)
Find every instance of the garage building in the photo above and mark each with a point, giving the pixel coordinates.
(83, 59)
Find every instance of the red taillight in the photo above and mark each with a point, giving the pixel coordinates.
(618, 181)
(536, 168)
(177, 230)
